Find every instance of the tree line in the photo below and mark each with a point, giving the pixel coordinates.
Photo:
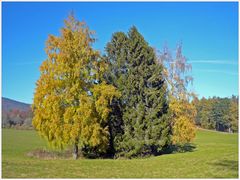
(17, 118)
(217, 113)
(132, 101)
(220, 114)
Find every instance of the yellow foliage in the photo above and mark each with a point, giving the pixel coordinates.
(183, 115)
(68, 107)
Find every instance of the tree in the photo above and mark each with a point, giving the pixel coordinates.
(183, 129)
(205, 113)
(28, 123)
(5, 119)
(116, 75)
(219, 113)
(71, 100)
(233, 115)
(144, 100)
(177, 75)
(14, 117)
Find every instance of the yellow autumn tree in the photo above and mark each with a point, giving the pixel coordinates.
(71, 100)
(183, 115)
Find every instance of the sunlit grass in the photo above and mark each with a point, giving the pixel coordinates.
(215, 156)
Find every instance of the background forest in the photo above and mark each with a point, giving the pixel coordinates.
(214, 113)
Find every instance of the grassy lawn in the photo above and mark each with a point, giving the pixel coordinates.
(215, 156)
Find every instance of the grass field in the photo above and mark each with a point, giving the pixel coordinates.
(215, 156)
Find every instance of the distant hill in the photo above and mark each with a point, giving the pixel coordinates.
(16, 114)
(9, 104)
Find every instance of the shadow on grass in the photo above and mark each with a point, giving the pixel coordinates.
(180, 149)
(187, 148)
(230, 165)
(89, 154)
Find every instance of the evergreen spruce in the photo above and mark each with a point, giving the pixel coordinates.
(144, 105)
(117, 75)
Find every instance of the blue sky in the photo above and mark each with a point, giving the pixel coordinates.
(208, 32)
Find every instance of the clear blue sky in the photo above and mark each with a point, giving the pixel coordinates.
(208, 31)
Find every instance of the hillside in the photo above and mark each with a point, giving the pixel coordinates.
(15, 113)
(9, 104)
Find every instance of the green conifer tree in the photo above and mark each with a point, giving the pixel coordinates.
(117, 75)
(144, 105)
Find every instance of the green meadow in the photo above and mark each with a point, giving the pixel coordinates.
(215, 156)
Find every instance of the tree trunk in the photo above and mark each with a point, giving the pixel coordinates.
(75, 151)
